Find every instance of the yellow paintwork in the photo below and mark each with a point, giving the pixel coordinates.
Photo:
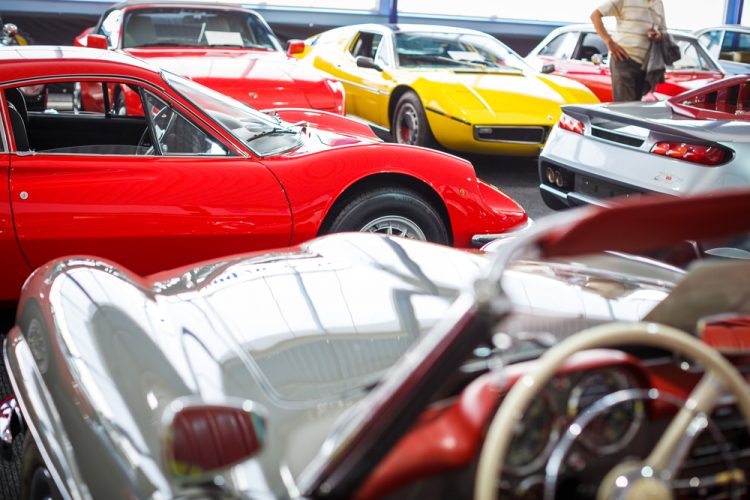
(474, 98)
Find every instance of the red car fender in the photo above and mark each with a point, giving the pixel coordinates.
(449, 177)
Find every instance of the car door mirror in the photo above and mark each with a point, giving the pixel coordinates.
(202, 440)
(96, 42)
(597, 58)
(368, 62)
(295, 47)
(727, 333)
(548, 68)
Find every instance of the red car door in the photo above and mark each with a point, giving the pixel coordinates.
(14, 267)
(146, 212)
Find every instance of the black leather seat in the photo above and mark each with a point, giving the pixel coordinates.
(16, 98)
(19, 129)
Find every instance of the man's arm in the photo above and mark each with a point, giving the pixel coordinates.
(617, 52)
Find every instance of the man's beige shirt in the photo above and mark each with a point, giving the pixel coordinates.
(634, 19)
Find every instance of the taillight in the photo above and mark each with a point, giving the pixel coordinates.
(569, 123)
(705, 155)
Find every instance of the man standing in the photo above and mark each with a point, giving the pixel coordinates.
(638, 22)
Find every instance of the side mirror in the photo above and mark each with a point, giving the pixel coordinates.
(548, 68)
(202, 440)
(96, 42)
(597, 58)
(295, 47)
(727, 333)
(367, 62)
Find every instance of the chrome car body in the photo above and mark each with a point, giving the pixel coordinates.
(344, 343)
(614, 150)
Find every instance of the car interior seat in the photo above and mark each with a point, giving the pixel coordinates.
(586, 52)
(139, 31)
(15, 97)
(19, 128)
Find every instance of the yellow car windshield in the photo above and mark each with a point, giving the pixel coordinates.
(457, 51)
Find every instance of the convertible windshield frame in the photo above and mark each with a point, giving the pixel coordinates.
(242, 122)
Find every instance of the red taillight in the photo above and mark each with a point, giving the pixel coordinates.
(569, 123)
(705, 155)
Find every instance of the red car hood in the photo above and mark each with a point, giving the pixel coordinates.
(262, 79)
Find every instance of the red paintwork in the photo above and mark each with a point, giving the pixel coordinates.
(15, 269)
(151, 213)
(450, 437)
(649, 223)
(258, 77)
(729, 101)
(598, 78)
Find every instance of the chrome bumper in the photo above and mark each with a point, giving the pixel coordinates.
(480, 240)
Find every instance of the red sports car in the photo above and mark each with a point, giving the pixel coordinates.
(224, 47)
(578, 52)
(202, 175)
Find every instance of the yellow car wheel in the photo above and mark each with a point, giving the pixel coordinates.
(409, 124)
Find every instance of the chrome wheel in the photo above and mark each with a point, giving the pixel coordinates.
(407, 125)
(395, 225)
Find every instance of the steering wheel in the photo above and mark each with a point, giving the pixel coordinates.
(666, 457)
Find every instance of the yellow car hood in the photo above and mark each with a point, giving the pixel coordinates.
(486, 98)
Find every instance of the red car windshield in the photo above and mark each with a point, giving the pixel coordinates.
(263, 134)
(196, 27)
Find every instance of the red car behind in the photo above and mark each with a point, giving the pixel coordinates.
(224, 47)
(579, 53)
(200, 175)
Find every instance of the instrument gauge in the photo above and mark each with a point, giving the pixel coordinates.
(613, 430)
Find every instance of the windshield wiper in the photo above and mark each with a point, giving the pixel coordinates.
(271, 131)
(164, 44)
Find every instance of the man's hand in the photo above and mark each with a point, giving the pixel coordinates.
(616, 51)
(654, 35)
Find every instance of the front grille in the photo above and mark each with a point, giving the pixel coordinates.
(615, 137)
(520, 135)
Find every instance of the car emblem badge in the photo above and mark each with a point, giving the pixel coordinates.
(252, 95)
(550, 117)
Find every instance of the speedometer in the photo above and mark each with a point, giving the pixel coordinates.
(534, 437)
(616, 426)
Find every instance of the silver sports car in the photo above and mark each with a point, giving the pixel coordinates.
(695, 142)
(360, 366)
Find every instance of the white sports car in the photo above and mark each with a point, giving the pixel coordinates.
(695, 142)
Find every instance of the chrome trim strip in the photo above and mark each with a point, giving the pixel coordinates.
(448, 116)
(36, 407)
(543, 134)
(479, 240)
(364, 87)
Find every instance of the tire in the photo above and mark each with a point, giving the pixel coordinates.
(409, 123)
(36, 481)
(393, 211)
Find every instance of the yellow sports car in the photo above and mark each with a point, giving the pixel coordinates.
(461, 88)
